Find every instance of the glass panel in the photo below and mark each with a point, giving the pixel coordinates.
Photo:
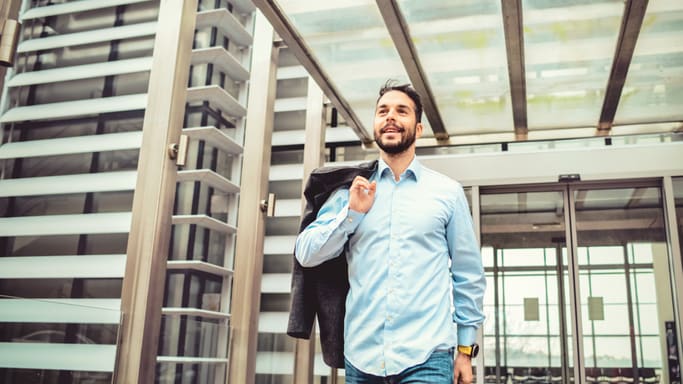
(625, 289)
(568, 56)
(192, 337)
(350, 40)
(523, 238)
(462, 51)
(678, 201)
(653, 90)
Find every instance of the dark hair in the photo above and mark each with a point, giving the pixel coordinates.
(391, 85)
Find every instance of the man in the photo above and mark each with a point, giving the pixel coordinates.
(412, 255)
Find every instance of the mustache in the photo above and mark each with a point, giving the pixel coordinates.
(399, 129)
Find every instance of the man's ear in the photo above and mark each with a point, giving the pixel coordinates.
(418, 130)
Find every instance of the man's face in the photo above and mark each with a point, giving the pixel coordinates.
(396, 126)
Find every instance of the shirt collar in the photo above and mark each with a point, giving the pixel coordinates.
(414, 168)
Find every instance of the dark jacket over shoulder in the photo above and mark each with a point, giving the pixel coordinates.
(322, 290)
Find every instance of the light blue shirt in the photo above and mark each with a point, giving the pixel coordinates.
(413, 258)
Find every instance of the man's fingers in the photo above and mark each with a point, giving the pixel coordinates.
(361, 184)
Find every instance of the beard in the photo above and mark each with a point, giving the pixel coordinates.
(407, 139)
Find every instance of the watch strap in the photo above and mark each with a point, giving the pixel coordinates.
(465, 349)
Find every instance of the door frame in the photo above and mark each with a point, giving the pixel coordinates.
(567, 189)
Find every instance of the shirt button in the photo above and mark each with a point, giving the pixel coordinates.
(350, 220)
(382, 365)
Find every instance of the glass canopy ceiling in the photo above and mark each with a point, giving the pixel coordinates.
(497, 70)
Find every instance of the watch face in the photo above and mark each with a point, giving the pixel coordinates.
(475, 350)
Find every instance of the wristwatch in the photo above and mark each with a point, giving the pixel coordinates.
(469, 350)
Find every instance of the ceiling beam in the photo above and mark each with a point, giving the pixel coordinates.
(495, 138)
(514, 46)
(295, 42)
(631, 22)
(400, 34)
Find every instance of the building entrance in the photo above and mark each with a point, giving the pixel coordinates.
(579, 284)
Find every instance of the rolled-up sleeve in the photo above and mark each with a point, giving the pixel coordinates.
(467, 271)
(326, 236)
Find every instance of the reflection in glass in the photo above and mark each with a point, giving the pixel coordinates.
(653, 90)
(462, 50)
(678, 202)
(623, 261)
(350, 40)
(568, 52)
(523, 245)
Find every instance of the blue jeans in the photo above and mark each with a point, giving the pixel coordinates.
(438, 369)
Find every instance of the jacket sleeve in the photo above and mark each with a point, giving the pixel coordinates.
(325, 237)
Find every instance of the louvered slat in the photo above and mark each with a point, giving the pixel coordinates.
(88, 37)
(341, 134)
(59, 267)
(74, 311)
(203, 313)
(209, 177)
(91, 223)
(67, 109)
(78, 72)
(73, 7)
(190, 360)
(227, 23)
(223, 59)
(214, 137)
(53, 356)
(278, 245)
(243, 6)
(197, 265)
(286, 172)
(71, 145)
(291, 72)
(273, 322)
(276, 283)
(204, 221)
(290, 104)
(217, 96)
(288, 208)
(55, 185)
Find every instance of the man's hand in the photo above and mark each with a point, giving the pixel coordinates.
(462, 370)
(362, 194)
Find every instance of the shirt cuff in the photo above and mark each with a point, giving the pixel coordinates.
(350, 219)
(467, 335)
